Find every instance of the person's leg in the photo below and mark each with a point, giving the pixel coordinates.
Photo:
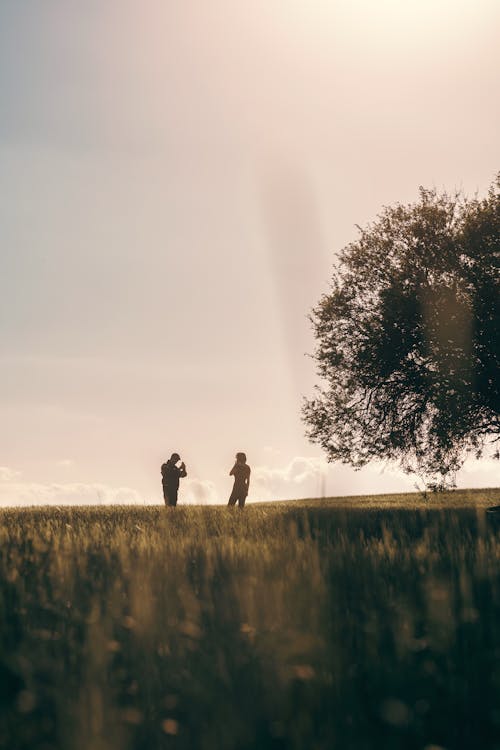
(241, 501)
(170, 495)
(232, 499)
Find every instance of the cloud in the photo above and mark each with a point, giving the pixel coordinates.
(479, 473)
(76, 493)
(301, 477)
(314, 477)
(7, 474)
(198, 492)
(15, 493)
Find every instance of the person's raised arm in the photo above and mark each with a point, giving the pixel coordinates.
(182, 470)
(231, 473)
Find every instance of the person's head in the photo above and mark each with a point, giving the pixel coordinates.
(175, 457)
(241, 458)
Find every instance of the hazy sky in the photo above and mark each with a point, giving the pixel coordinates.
(175, 178)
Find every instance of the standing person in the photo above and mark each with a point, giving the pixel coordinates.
(170, 475)
(241, 474)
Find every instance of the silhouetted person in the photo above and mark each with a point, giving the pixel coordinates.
(170, 475)
(241, 474)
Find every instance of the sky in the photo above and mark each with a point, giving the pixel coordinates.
(175, 181)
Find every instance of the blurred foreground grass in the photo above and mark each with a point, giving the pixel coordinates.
(349, 623)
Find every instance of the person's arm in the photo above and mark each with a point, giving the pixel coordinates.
(231, 473)
(182, 470)
(248, 479)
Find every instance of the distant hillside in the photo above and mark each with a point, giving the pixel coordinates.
(480, 498)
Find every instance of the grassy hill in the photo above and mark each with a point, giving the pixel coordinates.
(367, 622)
(480, 498)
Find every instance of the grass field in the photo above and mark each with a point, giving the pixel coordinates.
(344, 623)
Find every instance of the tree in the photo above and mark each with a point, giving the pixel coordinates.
(408, 339)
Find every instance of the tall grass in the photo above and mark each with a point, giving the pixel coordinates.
(295, 625)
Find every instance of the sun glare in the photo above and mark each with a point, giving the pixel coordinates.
(390, 17)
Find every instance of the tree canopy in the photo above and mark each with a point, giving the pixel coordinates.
(408, 339)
